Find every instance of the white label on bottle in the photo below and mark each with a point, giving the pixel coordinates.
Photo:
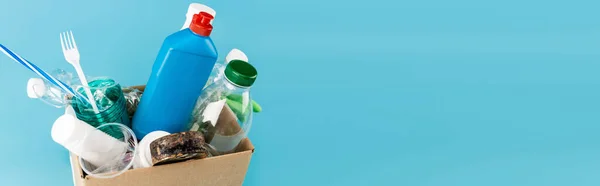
(212, 111)
(245, 102)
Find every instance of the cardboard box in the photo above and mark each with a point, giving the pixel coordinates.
(224, 170)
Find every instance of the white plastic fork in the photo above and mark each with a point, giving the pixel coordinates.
(69, 47)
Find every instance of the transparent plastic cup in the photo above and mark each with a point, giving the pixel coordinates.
(111, 103)
(118, 156)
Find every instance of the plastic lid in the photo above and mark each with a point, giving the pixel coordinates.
(201, 24)
(241, 73)
(235, 54)
(195, 8)
(35, 88)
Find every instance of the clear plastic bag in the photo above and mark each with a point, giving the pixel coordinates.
(132, 97)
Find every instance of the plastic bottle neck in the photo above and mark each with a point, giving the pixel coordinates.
(234, 87)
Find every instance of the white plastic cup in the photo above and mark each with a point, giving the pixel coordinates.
(121, 156)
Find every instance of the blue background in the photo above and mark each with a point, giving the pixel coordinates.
(379, 92)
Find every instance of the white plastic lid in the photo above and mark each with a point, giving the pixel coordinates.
(35, 88)
(236, 54)
(195, 8)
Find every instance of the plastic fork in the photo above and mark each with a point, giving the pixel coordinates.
(69, 47)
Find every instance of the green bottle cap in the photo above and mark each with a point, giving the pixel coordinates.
(240, 73)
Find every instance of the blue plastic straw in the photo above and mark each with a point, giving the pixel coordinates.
(41, 73)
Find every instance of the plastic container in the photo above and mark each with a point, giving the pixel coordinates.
(180, 71)
(49, 93)
(230, 96)
(110, 101)
(89, 143)
(219, 68)
(218, 71)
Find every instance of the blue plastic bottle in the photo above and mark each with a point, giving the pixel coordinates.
(180, 71)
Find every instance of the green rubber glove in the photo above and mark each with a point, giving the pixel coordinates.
(256, 108)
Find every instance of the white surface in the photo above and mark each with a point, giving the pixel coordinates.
(143, 157)
(70, 111)
(35, 88)
(196, 8)
(97, 148)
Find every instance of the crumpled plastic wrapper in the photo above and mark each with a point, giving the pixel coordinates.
(132, 97)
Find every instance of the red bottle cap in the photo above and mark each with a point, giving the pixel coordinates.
(201, 24)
